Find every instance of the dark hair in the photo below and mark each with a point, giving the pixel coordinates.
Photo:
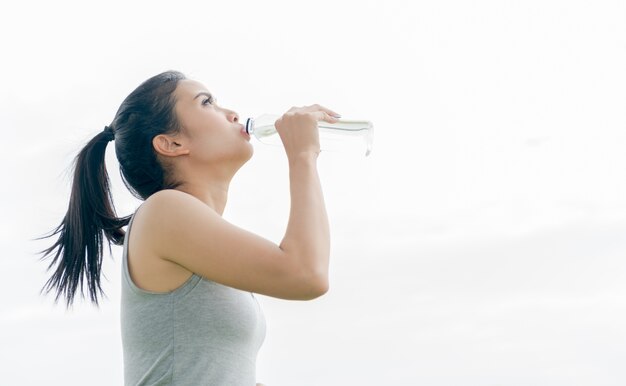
(147, 112)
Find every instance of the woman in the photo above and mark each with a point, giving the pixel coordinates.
(188, 313)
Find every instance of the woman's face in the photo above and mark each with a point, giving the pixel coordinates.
(212, 134)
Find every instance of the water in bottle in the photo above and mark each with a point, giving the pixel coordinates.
(345, 135)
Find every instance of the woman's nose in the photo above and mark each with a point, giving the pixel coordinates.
(233, 116)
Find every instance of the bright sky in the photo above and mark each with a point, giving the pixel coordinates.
(482, 242)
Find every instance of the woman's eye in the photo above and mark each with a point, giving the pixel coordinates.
(207, 101)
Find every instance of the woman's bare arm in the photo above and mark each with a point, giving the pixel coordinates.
(184, 230)
(308, 234)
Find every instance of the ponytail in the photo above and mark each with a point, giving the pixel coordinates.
(145, 113)
(79, 249)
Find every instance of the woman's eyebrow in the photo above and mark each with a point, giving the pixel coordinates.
(203, 93)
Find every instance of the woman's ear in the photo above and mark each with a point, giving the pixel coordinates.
(168, 146)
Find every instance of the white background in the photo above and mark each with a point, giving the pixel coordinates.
(482, 243)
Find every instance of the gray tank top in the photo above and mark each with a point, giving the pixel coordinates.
(202, 333)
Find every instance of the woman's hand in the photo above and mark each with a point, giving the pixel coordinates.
(298, 129)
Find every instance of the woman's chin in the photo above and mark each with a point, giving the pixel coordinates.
(250, 151)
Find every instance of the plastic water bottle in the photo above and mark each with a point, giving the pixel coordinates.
(345, 135)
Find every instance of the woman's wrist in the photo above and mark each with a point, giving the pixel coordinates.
(304, 158)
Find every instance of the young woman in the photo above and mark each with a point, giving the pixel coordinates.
(188, 313)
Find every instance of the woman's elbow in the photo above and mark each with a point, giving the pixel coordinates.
(317, 287)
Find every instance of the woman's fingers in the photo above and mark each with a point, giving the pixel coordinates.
(328, 111)
(298, 128)
(324, 116)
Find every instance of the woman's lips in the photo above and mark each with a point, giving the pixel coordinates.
(242, 130)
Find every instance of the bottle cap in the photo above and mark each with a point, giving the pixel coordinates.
(249, 125)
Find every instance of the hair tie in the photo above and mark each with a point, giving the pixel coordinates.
(110, 134)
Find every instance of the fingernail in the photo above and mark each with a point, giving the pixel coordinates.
(337, 115)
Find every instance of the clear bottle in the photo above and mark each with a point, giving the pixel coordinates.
(345, 136)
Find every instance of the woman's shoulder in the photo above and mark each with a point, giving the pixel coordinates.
(167, 195)
(166, 200)
(148, 269)
(169, 212)
(156, 203)
(158, 211)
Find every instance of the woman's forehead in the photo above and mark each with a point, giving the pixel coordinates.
(189, 88)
